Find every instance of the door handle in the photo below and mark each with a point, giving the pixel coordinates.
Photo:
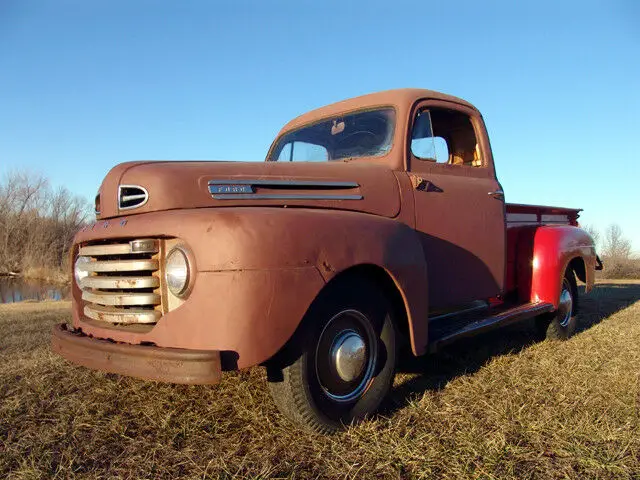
(497, 194)
(423, 185)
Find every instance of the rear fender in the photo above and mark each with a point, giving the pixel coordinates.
(554, 250)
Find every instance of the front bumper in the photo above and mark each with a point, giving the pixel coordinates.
(174, 365)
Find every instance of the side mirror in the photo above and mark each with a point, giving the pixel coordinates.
(337, 127)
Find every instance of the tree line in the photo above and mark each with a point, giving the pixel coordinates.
(37, 225)
(616, 253)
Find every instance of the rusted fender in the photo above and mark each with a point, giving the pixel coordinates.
(330, 240)
(554, 247)
(259, 269)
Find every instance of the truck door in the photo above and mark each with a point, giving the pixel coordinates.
(459, 204)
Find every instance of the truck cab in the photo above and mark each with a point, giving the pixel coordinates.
(375, 224)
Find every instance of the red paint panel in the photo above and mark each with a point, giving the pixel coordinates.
(553, 248)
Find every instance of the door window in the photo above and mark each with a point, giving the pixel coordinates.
(445, 136)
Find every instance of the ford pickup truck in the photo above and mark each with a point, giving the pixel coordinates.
(376, 224)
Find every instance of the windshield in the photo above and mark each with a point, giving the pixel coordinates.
(360, 134)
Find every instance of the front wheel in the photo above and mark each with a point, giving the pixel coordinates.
(561, 324)
(344, 359)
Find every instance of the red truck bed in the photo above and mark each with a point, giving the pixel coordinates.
(521, 223)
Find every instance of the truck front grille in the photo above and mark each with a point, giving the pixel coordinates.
(122, 282)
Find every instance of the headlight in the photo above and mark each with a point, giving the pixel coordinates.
(177, 271)
(78, 272)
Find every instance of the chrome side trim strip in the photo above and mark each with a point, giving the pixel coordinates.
(287, 183)
(120, 283)
(121, 299)
(295, 196)
(115, 315)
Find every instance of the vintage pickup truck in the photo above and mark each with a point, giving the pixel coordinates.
(375, 224)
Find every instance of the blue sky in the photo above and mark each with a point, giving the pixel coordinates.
(86, 85)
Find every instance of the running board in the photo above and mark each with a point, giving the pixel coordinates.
(502, 319)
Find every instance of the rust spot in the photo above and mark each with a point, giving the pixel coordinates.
(416, 181)
(327, 267)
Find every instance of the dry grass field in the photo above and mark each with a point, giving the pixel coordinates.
(497, 406)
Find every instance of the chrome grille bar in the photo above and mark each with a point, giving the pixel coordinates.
(118, 315)
(147, 245)
(103, 266)
(121, 299)
(122, 287)
(120, 283)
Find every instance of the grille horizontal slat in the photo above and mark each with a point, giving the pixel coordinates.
(117, 315)
(98, 250)
(120, 283)
(147, 245)
(122, 286)
(102, 266)
(121, 299)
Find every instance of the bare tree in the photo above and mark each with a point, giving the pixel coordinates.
(37, 225)
(19, 198)
(615, 245)
(594, 232)
(617, 255)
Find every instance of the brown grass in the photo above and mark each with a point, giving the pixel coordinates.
(497, 406)
(619, 268)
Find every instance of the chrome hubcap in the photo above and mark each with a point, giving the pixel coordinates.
(565, 306)
(349, 355)
(346, 356)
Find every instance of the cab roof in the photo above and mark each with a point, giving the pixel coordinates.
(401, 97)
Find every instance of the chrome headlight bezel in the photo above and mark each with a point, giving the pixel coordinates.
(78, 273)
(178, 275)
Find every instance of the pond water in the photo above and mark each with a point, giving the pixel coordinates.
(14, 289)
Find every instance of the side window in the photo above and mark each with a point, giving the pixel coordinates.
(285, 153)
(424, 144)
(303, 152)
(445, 136)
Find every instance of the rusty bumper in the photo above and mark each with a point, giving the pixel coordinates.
(173, 365)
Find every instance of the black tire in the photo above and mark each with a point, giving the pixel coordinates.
(320, 386)
(561, 324)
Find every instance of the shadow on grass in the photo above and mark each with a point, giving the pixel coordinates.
(469, 355)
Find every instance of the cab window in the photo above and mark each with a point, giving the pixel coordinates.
(445, 136)
(367, 133)
(303, 152)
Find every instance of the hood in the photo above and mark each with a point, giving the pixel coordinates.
(357, 186)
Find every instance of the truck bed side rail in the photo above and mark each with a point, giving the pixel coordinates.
(520, 215)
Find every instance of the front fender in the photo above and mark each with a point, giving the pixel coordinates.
(331, 241)
(259, 269)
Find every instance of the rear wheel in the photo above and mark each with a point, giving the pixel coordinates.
(342, 364)
(561, 324)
